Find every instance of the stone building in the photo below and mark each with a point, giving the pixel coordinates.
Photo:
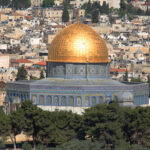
(111, 3)
(2, 92)
(36, 3)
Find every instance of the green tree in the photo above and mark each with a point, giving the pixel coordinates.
(4, 125)
(48, 3)
(136, 80)
(22, 73)
(66, 3)
(31, 119)
(77, 145)
(126, 8)
(102, 123)
(41, 74)
(125, 77)
(4, 2)
(16, 123)
(104, 9)
(33, 77)
(147, 13)
(88, 8)
(26, 146)
(19, 4)
(57, 127)
(65, 15)
(121, 13)
(95, 16)
(78, 126)
(148, 81)
(136, 126)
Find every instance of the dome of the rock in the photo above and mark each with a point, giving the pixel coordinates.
(77, 77)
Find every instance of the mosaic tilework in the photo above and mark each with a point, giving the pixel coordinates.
(66, 70)
(83, 96)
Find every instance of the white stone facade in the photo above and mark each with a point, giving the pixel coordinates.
(36, 3)
(112, 3)
(77, 110)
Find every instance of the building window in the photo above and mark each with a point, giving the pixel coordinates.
(56, 100)
(41, 100)
(75, 70)
(115, 98)
(25, 97)
(93, 101)
(86, 101)
(8, 94)
(78, 100)
(34, 99)
(71, 101)
(49, 100)
(63, 101)
(100, 99)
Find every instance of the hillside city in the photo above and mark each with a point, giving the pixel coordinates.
(28, 28)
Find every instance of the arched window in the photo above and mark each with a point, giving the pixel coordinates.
(34, 99)
(71, 101)
(21, 95)
(93, 101)
(49, 100)
(41, 100)
(100, 99)
(78, 100)
(86, 101)
(8, 95)
(25, 98)
(56, 100)
(115, 98)
(63, 101)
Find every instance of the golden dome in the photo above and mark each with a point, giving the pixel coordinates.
(78, 43)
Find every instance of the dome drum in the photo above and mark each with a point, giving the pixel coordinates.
(77, 70)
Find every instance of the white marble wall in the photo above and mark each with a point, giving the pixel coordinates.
(77, 110)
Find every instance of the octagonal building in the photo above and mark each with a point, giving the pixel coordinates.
(78, 76)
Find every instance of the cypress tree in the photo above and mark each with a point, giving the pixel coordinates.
(147, 13)
(48, 3)
(95, 16)
(19, 4)
(125, 77)
(65, 15)
(22, 73)
(4, 2)
(41, 75)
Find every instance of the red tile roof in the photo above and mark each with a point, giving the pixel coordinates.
(16, 14)
(2, 12)
(21, 61)
(42, 63)
(147, 3)
(118, 70)
(28, 17)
